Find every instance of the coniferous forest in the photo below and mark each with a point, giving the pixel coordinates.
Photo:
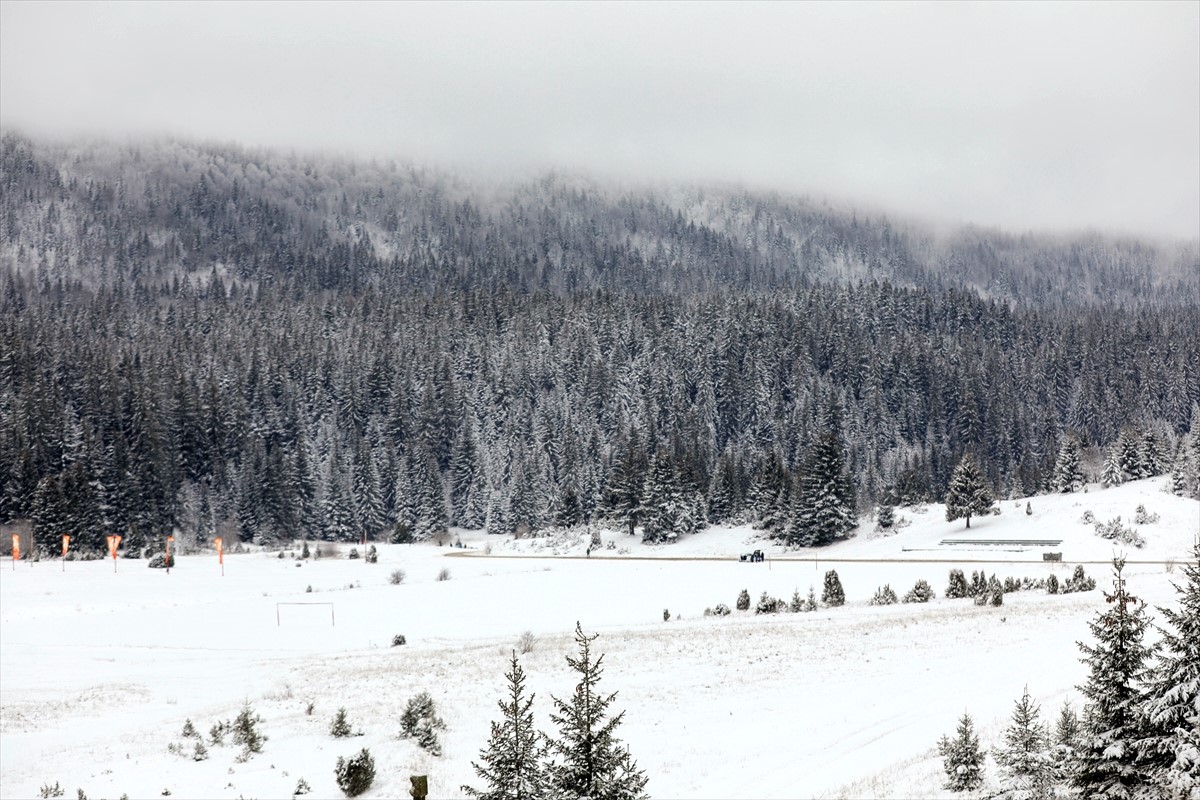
(272, 346)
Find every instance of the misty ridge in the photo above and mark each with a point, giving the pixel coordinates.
(95, 214)
(217, 340)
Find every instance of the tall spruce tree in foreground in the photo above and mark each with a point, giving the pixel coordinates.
(512, 762)
(961, 757)
(1106, 765)
(588, 761)
(1170, 751)
(1025, 761)
(968, 494)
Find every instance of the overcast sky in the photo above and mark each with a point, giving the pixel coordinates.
(1021, 115)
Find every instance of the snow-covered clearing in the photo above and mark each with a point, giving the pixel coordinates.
(100, 670)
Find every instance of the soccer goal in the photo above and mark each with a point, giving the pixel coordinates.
(305, 614)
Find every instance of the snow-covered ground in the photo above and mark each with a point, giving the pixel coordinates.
(100, 670)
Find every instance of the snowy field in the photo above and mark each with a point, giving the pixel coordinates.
(100, 670)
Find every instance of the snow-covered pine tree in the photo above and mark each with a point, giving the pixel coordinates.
(625, 482)
(467, 487)
(827, 503)
(1068, 475)
(1065, 744)
(1128, 455)
(833, 594)
(588, 761)
(1106, 766)
(961, 757)
(512, 763)
(662, 501)
(1169, 751)
(968, 493)
(1112, 475)
(1025, 760)
(369, 518)
(1150, 454)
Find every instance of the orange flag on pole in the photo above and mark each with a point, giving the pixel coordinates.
(16, 548)
(66, 543)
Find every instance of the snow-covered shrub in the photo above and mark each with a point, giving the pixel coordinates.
(340, 727)
(200, 752)
(885, 518)
(443, 574)
(1088, 518)
(160, 561)
(1115, 530)
(921, 592)
(421, 722)
(246, 732)
(1140, 517)
(216, 734)
(302, 787)
(1012, 584)
(398, 640)
(833, 594)
(721, 610)
(526, 642)
(958, 585)
(978, 585)
(50, 791)
(743, 601)
(884, 596)
(797, 604)
(396, 577)
(1052, 584)
(1078, 582)
(810, 602)
(666, 615)
(769, 605)
(1028, 510)
(995, 592)
(356, 775)
(189, 730)
(372, 555)
(353, 552)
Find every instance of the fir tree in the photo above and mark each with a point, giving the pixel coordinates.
(512, 767)
(968, 493)
(961, 757)
(1107, 756)
(1170, 749)
(833, 595)
(588, 760)
(1025, 760)
(1066, 744)
(1112, 475)
(1068, 475)
(826, 496)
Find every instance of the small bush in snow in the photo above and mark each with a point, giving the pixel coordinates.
(1140, 517)
(666, 615)
(886, 517)
(372, 555)
(302, 787)
(958, 585)
(396, 577)
(308, 589)
(884, 596)
(159, 561)
(721, 610)
(444, 574)
(189, 730)
(797, 604)
(340, 727)
(810, 602)
(1052, 584)
(216, 734)
(246, 732)
(743, 601)
(398, 640)
(353, 552)
(768, 605)
(1115, 530)
(1011, 584)
(1078, 582)
(356, 775)
(1028, 510)
(995, 592)
(1088, 518)
(833, 594)
(50, 791)
(305, 553)
(526, 642)
(921, 592)
(200, 752)
(421, 722)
